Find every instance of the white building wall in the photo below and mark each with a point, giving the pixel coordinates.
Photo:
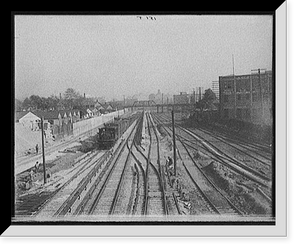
(30, 120)
(84, 126)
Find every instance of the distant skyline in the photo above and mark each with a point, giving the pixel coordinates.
(117, 55)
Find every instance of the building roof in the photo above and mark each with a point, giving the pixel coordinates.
(47, 115)
(107, 106)
(99, 106)
(247, 75)
(54, 114)
(20, 114)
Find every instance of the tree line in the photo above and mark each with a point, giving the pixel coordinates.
(71, 99)
(207, 100)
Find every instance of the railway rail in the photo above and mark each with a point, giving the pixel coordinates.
(254, 148)
(156, 200)
(261, 150)
(258, 147)
(229, 161)
(102, 200)
(132, 180)
(241, 147)
(248, 171)
(213, 197)
(100, 191)
(195, 142)
(79, 168)
(78, 200)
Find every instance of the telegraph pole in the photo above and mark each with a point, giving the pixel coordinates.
(43, 150)
(199, 94)
(261, 93)
(174, 143)
(234, 87)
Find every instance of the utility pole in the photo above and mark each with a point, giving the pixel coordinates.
(234, 89)
(174, 143)
(199, 93)
(162, 102)
(43, 150)
(194, 96)
(261, 93)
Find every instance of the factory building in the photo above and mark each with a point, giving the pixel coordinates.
(182, 98)
(247, 97)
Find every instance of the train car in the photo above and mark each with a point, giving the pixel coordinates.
(111, 132)
(107, 136)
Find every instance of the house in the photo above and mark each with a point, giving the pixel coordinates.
(56, 122)
(118, 105)
(108, 107)
(75, 115)
(90, 113)
(96, 112)
(99, 107)
(19, 114)
(30, 120)
(50, 117)
(88, 103)
(83, 114)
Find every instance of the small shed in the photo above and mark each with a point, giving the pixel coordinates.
(30, 120)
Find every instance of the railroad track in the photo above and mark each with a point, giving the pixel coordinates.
(213, 198)
(263, 150)
(80, 201)
(231, 162)
(255, 175)
(246, 143)
(239, 146)
(103, 200)
(50, 149)
(195, 147)
(156, 200)
(80, 168)
(139, 201)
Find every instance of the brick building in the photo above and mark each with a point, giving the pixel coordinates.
(182, 98)
(247, 97)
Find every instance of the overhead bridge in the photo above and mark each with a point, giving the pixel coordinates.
(160, 108)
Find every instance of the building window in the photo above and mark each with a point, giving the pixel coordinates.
(239, 113)
(247, 96)
(247, 114)
(255, 97)
(266, 95)
(226, 113)
(239, 97)
(227, 85)
(225, 98)
(255, 114)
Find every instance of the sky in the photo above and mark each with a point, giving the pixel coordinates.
(122, 55)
